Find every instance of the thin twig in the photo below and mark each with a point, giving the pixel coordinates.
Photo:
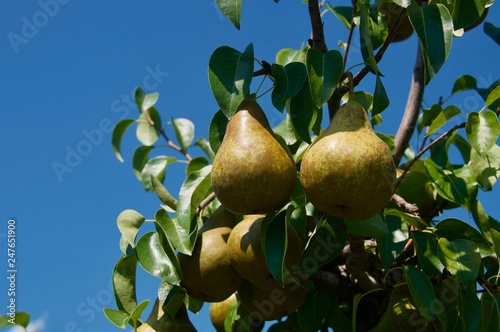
(403, 204)
(349, 37)
(205, 202)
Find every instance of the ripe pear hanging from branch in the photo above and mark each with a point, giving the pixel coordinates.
(348, 171)
(252, 172)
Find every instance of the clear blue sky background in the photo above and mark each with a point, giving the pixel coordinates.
(74, 75)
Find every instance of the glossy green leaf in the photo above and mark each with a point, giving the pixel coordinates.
(492, 31)
(231, 9)
(288, 55)
(156, 167)
(287, 131)
(365, 36)
(274, 240)
(390, 245)
(326, 242)
(467, 174)
(465, 12)
(203, 144)
(461, 144)
(487, 168)
(153, 258)
(421, 291)
(163, 194)
(139, 95)
(129, 222)
(149, 101)
(410, 219)
(492, 97)
(343, 13)
(184, 132)
(178, 236)
(147, 125)
(374, 226)
(442, 118)
(482, 129)
(380, 98)
(289, 80)
(490, 319)
(426, 247)
(196, 164)
(461, 258)
(433, 24)
(427, 116)
(124, 276)
(172, 298)
(195, 188)
(140, 159)
(217, 130)
(446, 183)
(464, 82)
(302, 112)
(116, 136)
(468, 232)
(22, 319)
(324, 71)
(230, 73)
(117, 317)
(136, 313)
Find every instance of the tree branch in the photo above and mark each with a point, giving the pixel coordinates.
(413, 104)
(318, 36)
(403, 204)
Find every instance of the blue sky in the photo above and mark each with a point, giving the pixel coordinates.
(64, 85)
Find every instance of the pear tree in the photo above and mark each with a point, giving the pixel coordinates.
(304, 226)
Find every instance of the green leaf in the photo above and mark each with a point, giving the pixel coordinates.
(427, 116)
(163, 194)
(231, 9)
(391, 244)
(446, 183)
(274, 240)
(129, 222)
(314, 310)
(124, 276)
(442, 118)
(433, 24)
(196, 164)
(490, 319)
(136, 313)
(492, 31)
(380, 98)
(179, 237)
(324, 71)
(365, 36)
(464, 82)
(461, 258)
(426, 246)
(116, 136)
(153, 258)
(487, 168)
(302, 112)
(195, 188)
(217, 130)
(147, 125)
(326, 242)
(470, 309)
(406, 217)
(495, 237)
(203, 144)
(156, 167)
(184, 131)
(421, 291)
(139, 159)
(466, 12)
(288, 82)
(230, 73)
(467, 232)
(461, 144)
(343, 13)
(139, 96)
(117, 317)
(374, 226)
(149, 101)
(288, 55)
(492, 97)
(482, 220)
(482, 129)
(172, 298)
(22, 319)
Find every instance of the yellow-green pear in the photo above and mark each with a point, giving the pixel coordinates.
(218, 312)
(252, 171)
(159, 321)
(348, 171)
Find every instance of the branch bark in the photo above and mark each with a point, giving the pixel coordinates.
(413, 104)
(318, 36)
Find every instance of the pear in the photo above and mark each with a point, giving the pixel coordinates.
(221, 217)
(252, 172)
(247, 256)
(159, 321)
(219, 310)
(348, 171)
(208, 274)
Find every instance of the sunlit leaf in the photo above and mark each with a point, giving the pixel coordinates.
(230, 73)
(390, 245)
(117, 317)
(443, 117)
(426, 246)
(203, 144)
(231, 10)
(464, 82)
(288, 55)
(421, 291)
(365, 37)
(487, 168)
(149, 101)
(136, 313)
(177, 235)
(446, 183)
(124, 276)
(461, 258)
(172, 298)
(467, 232)
(116, 136)
(323, 71)
(129, 222)
(163, 194)
(196, 164)
(139, 95)
(184, 132)
(147, 125)
(156, 167)
(482, 129)
(492, 97)
(22, 319)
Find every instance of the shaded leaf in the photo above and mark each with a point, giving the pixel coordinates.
(365, 37)
(230, 73)
(196, 164)
(124, 276)
(116, 136)
(446, 183)
(390, 245)
(178, 236)
(156, 167)
(288, 82)
(203, 144)
(302, 112)
(492, 31)
(426, 246)
(184, 132)
(171, 297)
(314, 310)
(343, 13)
(468, 232)
(163, 194)
(231, 9)
(136, 313)
(139, 95)
(380, 98)
(139, 159)
(427, 116)
(490, 319)
(421, 291)
(217, 130)
(461, 258)
(443, 117)
(323, 72)
(482, 129)
(129, 222)
(374, 226)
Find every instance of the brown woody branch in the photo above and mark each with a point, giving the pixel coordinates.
(403, 204)
(317, 40)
